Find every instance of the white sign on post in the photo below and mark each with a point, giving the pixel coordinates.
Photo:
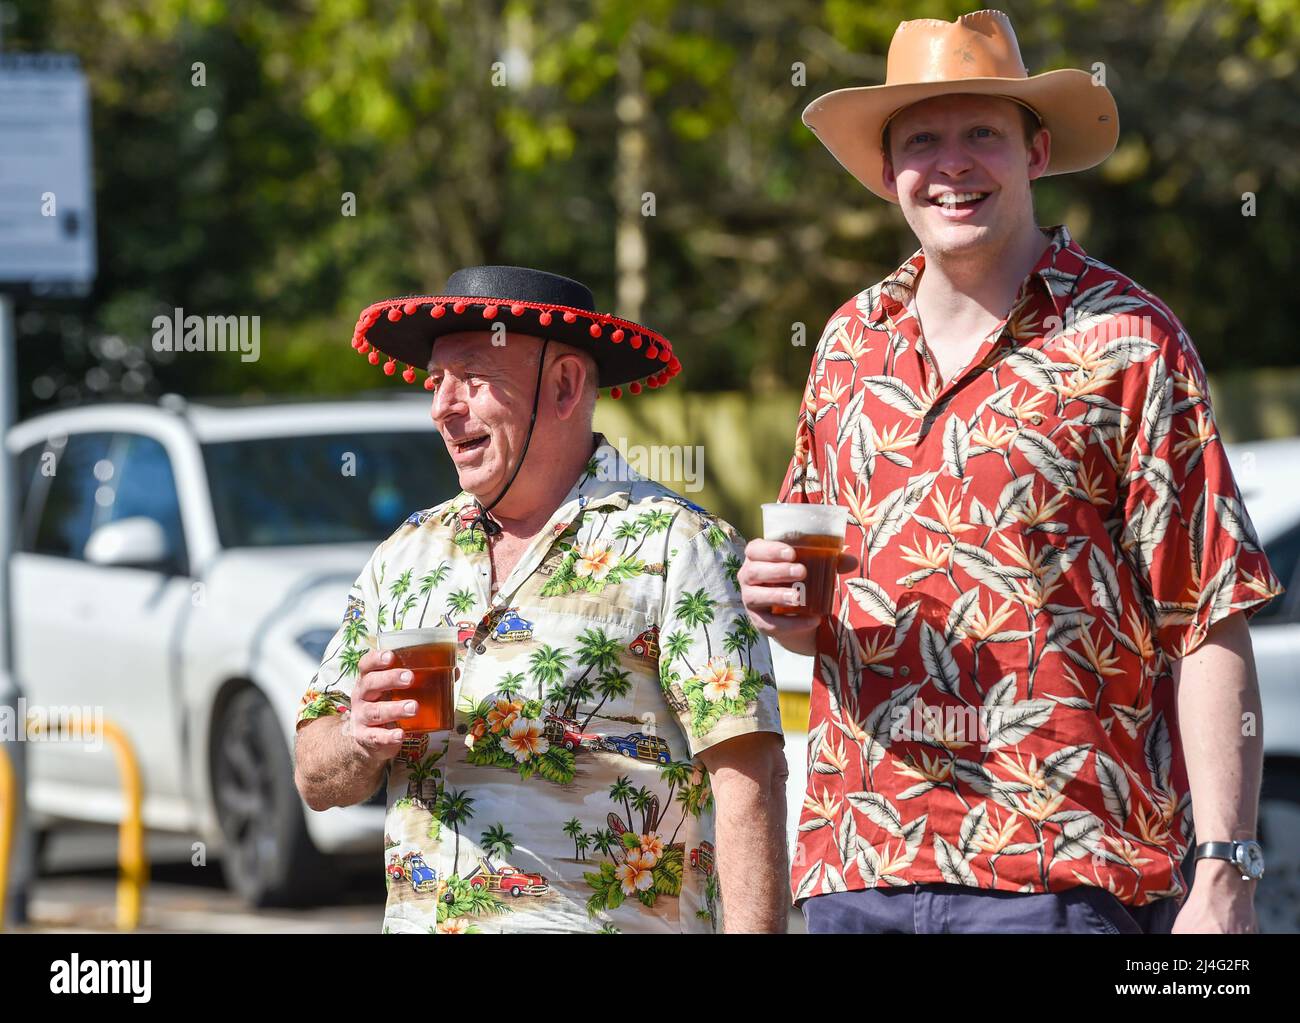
(47, 210)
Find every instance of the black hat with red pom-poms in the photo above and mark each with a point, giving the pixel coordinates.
(399, 333)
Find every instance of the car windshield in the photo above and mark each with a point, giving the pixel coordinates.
(327, 488)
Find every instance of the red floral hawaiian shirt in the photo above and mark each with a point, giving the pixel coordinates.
(1040, 537)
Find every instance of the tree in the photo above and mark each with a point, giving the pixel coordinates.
(456, 809)
(696, 611)
(497, 841)
(573, 828)
(612, 685)
(428, 583)
(547, 665)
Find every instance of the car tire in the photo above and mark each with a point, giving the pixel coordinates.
(1277, 897)
(268, 857)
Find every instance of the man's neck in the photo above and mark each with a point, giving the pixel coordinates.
(965, 289)
(540, 487)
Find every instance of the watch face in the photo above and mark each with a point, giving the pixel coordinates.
(1250, 858)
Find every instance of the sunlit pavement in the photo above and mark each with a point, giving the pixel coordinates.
(77, 890)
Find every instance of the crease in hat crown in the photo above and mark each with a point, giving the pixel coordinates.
(976, 53)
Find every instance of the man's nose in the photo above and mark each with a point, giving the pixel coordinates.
(448, 400)
(952, 158)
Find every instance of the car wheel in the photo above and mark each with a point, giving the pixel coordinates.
(268, 859)
(626, 752)
(1277, 898)
(515, 892)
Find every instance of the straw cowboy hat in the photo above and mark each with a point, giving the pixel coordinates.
(977, 53)
(525, 301)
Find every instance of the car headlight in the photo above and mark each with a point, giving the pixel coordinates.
(314, 641)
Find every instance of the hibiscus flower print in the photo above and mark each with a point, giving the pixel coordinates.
(652, 848)
(595, 563)
(634, 874)
(525, 740)
(721, 680)
(503, 715)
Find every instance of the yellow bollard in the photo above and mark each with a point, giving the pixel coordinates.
(9, 810)
(132, 862)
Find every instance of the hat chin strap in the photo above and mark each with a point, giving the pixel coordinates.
(482, 520)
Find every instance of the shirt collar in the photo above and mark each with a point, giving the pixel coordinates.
(605, 482)
(1058, 269)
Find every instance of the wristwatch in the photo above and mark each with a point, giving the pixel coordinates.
(1248, 856)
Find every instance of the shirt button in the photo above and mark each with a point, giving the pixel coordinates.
(905, 671)
(480, 649)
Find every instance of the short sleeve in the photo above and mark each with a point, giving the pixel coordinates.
(1185, 530)
(330, 689)
(803, 477)
(714, 666)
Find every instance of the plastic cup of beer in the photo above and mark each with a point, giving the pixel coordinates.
(430, 656)
(816, 532)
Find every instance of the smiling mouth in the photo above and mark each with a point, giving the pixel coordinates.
(472, 444)
(958, 200)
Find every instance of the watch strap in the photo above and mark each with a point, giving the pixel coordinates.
(1216, 851)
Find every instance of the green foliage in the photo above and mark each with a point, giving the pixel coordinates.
(226, 198)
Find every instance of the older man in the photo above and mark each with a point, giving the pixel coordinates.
(617, 747)
(1039, 661)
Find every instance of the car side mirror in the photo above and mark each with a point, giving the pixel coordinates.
(134, 542)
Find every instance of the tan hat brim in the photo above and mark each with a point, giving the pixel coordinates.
(1081, 116)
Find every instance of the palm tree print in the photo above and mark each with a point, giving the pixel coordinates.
(652, 523)
(460, 601)
(696, 610)
(573, 828)
(497, 842)
(456, 808)
(430, 582)
(547, 665)
(612, 685)
(622, 790)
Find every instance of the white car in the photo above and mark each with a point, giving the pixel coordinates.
(1268, 474)
(182, 567)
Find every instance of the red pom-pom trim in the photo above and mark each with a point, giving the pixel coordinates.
(652, 352)
(490, 312)
(458, 308)
(438, 312)
(394, 314)
(570, 317)
(544, 319)
(616, 392)
(408, 375)
(411, 308)
(635, 388)
(594, 330)
(516, 310)
(363, 347)
(617, 336)
(390, 367)
(675, 365)
(665, 355)
(428, 383)
(373, 357)
(636, 341)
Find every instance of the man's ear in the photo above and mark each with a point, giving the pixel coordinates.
(1039, 154)
(568, 380)
(889, 178)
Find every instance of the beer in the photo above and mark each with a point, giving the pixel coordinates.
(816, 532)
(430, 656)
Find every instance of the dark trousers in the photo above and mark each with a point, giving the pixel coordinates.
(955, 909)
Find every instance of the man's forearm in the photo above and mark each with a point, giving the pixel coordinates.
(749, 801)
(330, 769)
(1222, 731)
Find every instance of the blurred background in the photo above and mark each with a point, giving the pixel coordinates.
(297, 161)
